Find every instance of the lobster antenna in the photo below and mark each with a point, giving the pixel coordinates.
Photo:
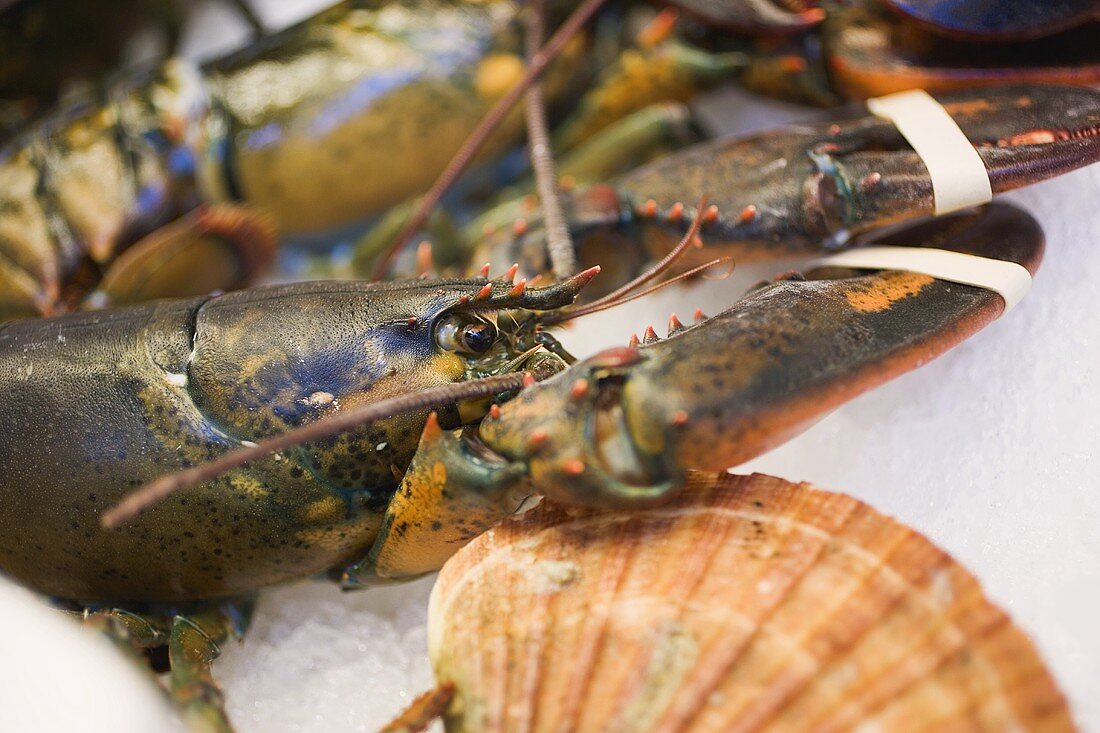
(434, 397)
(485, 128)
(589, 309)
(563, 257)
(617, 296)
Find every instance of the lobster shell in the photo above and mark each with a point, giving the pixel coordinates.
(747, 604)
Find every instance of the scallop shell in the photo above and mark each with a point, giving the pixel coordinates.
(747, 604)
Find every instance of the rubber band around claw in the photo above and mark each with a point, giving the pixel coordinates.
(959, 178)
(1010, 280)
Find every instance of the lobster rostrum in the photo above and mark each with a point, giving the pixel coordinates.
(797, 189)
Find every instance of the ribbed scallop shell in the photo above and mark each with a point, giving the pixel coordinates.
(748, 604)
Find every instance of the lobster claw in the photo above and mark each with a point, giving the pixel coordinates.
(623, 427)
(805, 188)
(787, 190)
(763, 17)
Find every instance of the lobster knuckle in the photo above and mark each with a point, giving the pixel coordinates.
(454, 489)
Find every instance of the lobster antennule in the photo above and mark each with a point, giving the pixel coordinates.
(622, 294)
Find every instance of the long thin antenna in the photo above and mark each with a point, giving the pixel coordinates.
(485, 128)
(563, 258)
(602, 306)
(616, 296)
(163, 487)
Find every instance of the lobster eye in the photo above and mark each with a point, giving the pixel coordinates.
(478, 337)
(465, 336)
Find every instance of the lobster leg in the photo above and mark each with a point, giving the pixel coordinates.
(192, 648)
(194, 642)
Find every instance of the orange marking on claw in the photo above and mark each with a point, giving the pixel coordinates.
(881, 293)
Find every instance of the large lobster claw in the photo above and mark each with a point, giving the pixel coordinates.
(624, 426)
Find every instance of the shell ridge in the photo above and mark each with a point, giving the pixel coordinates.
(593, 632)
(845, 544)
(712, 531)
(726, 656)
(840, 674)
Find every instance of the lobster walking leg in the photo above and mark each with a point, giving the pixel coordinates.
(192, 648)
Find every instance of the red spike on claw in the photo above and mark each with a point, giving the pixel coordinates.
(747, 214)
(676, 212)
(649, 208)
(431, 427)
(573, 467)
(650, 336)
(510, 274)
(485, 271)
(494, 412)
(680, 419)
(485, 292)
(674, 325)
(528, 380)
(584, 277)
(634, 342)
(700, 316)
(463, 299)
(579, 389)
(517, 291)
(711, 214)
(424, 261)
(616, 356)
(537, 440)
(519, 227)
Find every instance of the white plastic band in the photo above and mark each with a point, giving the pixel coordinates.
(958, 175)
(1008, 279)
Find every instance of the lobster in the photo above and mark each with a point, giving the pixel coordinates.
(189, 380)
(221, 152)
(499, 454)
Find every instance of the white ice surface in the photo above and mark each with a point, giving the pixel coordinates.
(991, 451)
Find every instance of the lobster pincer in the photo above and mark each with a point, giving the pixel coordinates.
(787, 191)
(624, 426)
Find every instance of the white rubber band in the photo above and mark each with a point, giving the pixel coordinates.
(1008, 279)
(958, 175)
